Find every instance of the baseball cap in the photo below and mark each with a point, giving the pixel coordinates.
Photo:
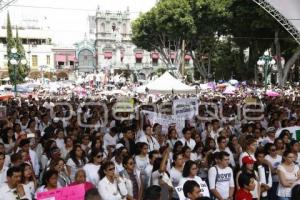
(271, 129)
(247, 160)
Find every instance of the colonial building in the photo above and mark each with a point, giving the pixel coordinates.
(114, 48)
(37, 44)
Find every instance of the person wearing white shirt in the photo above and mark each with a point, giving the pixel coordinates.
(220, 177)
(3, 169)
(111, 186)
(25, 146)
(110, 140)
(149, 139)
(189, 172)
(251, 146)
(187, 138)
(48, 104)
(222, 146)
(91, 169)
(176, 171)
(142, 159)
(191, 190)
(153, 155)
(13, 189)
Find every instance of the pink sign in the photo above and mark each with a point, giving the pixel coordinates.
(75, 192)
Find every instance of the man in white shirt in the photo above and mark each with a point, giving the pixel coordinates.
(48, 104)
(110, 140)
(153, 155)
(33, 160)
(3, 169)
(220, 177)
(270, 136)
(187, 139)
(222, 146)
(13, 189)
(191, 190)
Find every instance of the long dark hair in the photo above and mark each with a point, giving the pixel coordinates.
(73, 155)
(5, 135)
(23, 166)
(187, 168)
(104, 167)
(47, 175)
(93, 154)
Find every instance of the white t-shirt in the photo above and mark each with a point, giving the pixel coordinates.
(141, 163)
(275, 162)
(175, 176)
(221, 180)
(91, 171)
(203, 185)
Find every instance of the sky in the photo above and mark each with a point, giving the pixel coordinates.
(68, 19)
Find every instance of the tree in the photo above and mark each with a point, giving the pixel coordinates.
(10, 44)
(21, 70)
(163, 29)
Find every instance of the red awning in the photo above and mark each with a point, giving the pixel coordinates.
(108, 55)
(60, 58)
(173, 55)
(71, 58)
(187, 57)
(138, 55)
(155, 55)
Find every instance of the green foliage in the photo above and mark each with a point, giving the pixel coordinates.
(20, 70)
(220, 30)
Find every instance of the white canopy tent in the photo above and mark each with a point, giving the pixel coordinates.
(166, 84)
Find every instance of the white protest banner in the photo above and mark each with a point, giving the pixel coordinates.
(164, 120)
(186, 108)
(123, 105)
(180, 193)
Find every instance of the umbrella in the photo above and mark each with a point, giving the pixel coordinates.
(229, 90)
(233, 82)
(272, 94)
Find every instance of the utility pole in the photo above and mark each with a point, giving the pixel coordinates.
(182, 58)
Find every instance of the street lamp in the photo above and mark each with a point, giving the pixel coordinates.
(266, 61)
(14, 59)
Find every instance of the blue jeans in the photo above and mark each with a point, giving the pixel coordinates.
(284, 198)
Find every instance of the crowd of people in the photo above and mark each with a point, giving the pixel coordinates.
(46, 145)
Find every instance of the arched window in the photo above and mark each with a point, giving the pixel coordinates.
(124, 29)
(103, 27)
(86, 58)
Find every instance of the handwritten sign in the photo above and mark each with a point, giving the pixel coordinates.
(75, 192)
(203, 190)
(186, 108)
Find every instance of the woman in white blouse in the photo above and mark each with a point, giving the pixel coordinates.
(77, 160)
(111, 186)
(288, 174)
(91, 169)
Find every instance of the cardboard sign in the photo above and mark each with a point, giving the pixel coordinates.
(165, 120)
(75, 192)
(124, 105)
(186, 108)
(203, 190)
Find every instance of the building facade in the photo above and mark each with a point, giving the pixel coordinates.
(115, 49)
(36, 42)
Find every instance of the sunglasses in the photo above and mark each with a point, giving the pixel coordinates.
(273, 149)
(111, 169)
(100, 155)
(131, 163)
